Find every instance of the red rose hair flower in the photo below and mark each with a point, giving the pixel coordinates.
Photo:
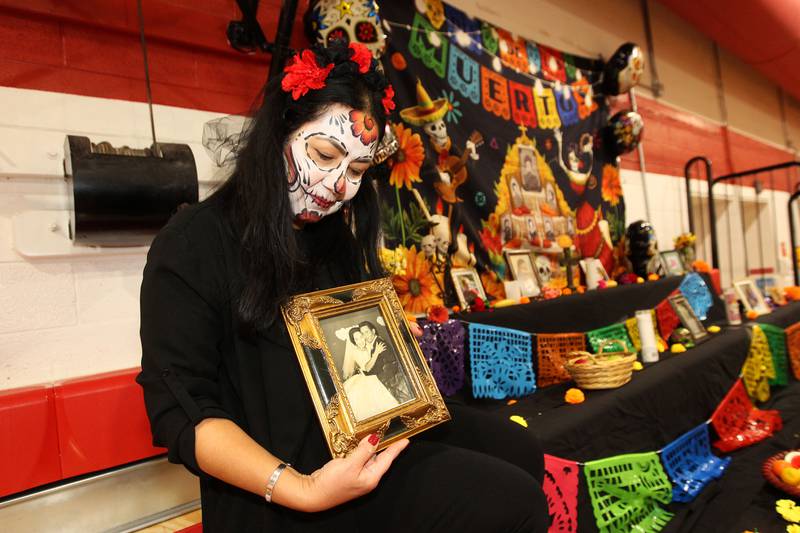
(361, 56)
(303, 73)
(388, 99)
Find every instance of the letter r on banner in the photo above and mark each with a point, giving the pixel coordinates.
(522, 110)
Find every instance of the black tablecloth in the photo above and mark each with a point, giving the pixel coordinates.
(660, 403)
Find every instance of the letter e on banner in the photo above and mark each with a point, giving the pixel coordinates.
(495, 93)
(522, 110)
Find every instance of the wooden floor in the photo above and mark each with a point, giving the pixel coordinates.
(174, 524)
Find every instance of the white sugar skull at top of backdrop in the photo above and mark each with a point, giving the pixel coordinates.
(353, 21)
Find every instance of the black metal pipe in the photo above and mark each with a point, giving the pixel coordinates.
(284, 32)
(792, 237)
(688, 179)
(733, 176)
(769, 168)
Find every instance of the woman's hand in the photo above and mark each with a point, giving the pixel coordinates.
(415, 329)
(340, 480)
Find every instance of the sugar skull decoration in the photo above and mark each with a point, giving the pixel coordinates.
(624, 132)
(642, 249)
(624, 70)
(350, 21)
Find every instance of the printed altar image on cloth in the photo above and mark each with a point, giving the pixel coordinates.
(500, 148)
(367, 362)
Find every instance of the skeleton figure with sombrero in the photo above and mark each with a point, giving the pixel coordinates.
(452, 169)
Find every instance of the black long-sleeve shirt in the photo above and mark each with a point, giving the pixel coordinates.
(195, 365)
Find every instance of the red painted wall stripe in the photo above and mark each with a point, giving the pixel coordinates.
(92, 48)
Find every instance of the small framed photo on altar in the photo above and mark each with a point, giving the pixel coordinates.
(688, 318)
(528, 169)
(362, 365)
(520, 264)
(468, 286)
(751, 297)
(673, 263)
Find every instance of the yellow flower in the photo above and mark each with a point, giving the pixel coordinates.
(564, 241)
(677, 348)
(713, 329)
(408, 158)
(519, 420)
(394, 261)
(789, 511)
(417, 287)
(637, 365)
(611, 189)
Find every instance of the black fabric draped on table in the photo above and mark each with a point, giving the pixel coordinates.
(660, 403)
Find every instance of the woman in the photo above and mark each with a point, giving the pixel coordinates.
(222, 386)
(384, 365)
(366, 393)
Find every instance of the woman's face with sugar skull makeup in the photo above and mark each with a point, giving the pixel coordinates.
(326, 159)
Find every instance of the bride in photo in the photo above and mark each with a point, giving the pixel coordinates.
(367, 394)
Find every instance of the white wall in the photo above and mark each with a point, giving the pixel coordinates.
(68, 316)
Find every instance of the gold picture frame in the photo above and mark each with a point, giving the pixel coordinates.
(463, 278)
(336, 334)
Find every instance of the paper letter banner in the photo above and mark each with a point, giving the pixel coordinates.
(776, 338)
(522, 111)
(495, 93)
(443, 347)
(477, 114)
(463, 74)
(690, 464)
(625, 491)
(560, 486)
(432, 56)
(738, 423)
(500, 360)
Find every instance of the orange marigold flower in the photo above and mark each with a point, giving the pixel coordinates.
(417, 288)
(408, 158)
(438, 313)
(574, 396)
(701, 266)
(752, 315)
(611, 187)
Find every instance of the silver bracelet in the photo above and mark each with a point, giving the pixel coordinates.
(274, 479)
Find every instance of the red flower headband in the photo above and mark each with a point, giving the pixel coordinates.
(303, 73)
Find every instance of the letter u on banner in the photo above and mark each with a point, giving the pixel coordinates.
(433, 57)
(522, 111)
(546, 108)
(495, 93)
(463, 74)
(567, 106)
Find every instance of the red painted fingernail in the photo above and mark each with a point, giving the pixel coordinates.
(374, 438)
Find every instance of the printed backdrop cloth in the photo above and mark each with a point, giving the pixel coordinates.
(500, 142)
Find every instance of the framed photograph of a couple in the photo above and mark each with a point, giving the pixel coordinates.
(362, 365)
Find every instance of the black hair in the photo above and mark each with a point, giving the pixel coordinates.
(369, 324)
(351, 332)
(256, 196)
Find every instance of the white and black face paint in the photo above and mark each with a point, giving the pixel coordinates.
(325, 160)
